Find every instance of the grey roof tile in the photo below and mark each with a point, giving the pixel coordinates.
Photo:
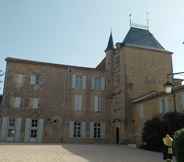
(141, 37)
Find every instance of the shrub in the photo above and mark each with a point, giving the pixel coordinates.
(155, 129)
(179, 145)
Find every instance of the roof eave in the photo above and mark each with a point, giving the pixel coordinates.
(144, 47)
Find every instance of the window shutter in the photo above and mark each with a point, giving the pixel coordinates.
(40, 130)
(83, 129)
(102, 129)
(27, 130)
(35, 102)
(91, 129)
(92, 83)
(18, 129)
(12, 102)
(166, 104)
(75, 102)
(84, 82)
(73, 81)
(19, 80)
(102, 83)
(141, 111)
(33, 79)
(4, 128)
(17, 102)
(71, 129)
(162, 105)
(101, 103)
(96, 103)
(80, 103)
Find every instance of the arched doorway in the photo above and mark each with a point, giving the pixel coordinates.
(116, 128)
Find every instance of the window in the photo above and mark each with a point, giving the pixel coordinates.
(98, 103)
(97, 130)
(19, 79)
(35, 103)
(163, 105)
(11, 132)
(16, 101)
(12, 122)
(33, 133)
(34, 123)
(77, 129)
(78, 103)
(98, 83)
(78, 82)
(34, 80)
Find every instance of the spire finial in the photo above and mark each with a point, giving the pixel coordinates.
(130, 19)
(110, 44)
(147, 20)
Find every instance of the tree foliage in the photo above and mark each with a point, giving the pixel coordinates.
(179, 145)
(155, 129)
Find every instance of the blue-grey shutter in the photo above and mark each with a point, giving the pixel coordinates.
(166, 105)
(92, 129)
(162, 105)
(102, 83)
(18, 129)
(102, 129)
(71, 129)
(83, 129)
(84, 82)
(73, 81)
(4, 129)
(92, 83)
(27, 130)
(40, 130)
(96, 104)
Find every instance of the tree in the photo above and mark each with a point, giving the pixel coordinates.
(179, 145)
(155, 129)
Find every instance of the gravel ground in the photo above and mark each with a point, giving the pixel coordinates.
(75, 153)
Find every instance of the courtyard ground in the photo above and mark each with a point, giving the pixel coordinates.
(75, 153)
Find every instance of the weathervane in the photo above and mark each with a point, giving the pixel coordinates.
(147, 20)
(132, 24)
(130, 16)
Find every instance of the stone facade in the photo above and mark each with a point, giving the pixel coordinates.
(152, 105)
(63, 103)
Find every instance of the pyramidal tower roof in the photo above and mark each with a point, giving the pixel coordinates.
(110, 44)
(141, 38)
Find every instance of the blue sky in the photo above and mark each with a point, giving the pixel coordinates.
(76, 31)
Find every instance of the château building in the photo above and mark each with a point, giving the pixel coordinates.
(54, 103)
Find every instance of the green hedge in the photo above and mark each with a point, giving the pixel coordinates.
(155, 129)
(179, 145)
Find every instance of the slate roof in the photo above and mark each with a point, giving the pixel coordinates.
(142, 38)
(110, 44)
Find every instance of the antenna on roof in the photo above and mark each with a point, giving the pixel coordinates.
(130, 16)
(147, 20)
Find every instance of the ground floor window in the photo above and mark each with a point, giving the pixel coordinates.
(11, 132)
(77, 129)
(97, 130)
(12, 122)
(33, 133)
(34, 123)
